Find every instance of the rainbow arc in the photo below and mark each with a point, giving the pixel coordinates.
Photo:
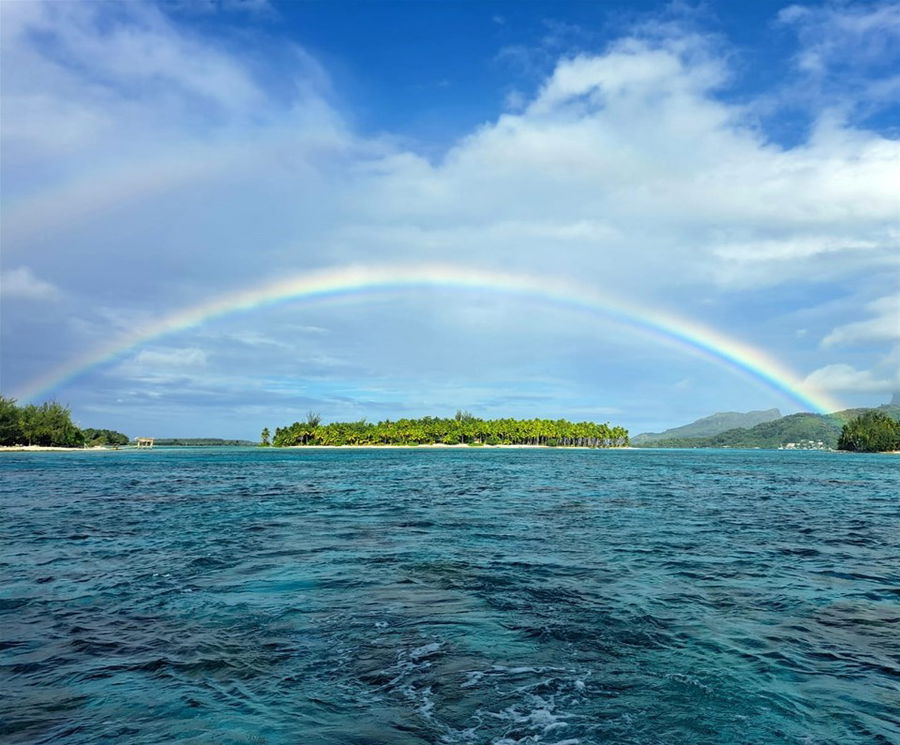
(357, 281)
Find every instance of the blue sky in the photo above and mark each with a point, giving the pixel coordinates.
(734, 164)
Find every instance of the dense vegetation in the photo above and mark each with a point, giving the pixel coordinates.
(103, 437)
(463, 429)
(47, 424)
(794, 428)
(873, 432)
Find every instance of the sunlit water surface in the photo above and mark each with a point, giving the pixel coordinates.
(462, 596)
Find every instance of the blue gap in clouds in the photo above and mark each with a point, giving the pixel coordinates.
(433, 72)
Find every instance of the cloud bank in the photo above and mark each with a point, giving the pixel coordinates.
(147, 165)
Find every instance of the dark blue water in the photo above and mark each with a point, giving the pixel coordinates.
(462, 596)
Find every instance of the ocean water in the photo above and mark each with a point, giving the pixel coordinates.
(457, 596)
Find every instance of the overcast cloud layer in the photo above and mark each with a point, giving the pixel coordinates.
(149, 165)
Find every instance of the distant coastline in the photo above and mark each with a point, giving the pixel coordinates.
(426, 446)
(49, 428)
(445, 446)
(431, 446)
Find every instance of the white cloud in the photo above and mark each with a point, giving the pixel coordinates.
(22, 283)
(848, 55)
(109, 53)
(636, 139)
(632, 72)
(514, 100)
(162, 371)
(844, 34)
(166, 358)
(633, 140)
(118, 90)
(785, 250)
(884, 326)
(163, 154)
(254, 7)
(846, 378)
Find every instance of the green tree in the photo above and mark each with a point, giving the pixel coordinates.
(50, 424)
(264, 438)
(10, 422)
(94, 437)
(872, 432)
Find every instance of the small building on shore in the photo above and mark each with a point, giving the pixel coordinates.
(144, 442)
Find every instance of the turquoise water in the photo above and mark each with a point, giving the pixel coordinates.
(458, 596)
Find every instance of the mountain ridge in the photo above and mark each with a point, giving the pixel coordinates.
(803, 430)
(710, 425)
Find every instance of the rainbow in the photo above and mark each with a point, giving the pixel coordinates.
(721, 349)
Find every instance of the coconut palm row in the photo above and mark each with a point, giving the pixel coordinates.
(463, 429)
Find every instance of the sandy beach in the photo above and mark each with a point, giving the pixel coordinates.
(47, 449)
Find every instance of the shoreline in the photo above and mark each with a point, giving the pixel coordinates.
(443, 446)
(53, 449)
(431, 446)
(436, 445)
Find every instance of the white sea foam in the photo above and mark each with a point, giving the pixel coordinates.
(425, 650)
(473, 678)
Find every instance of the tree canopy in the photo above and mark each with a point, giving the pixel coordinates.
(47, 424)
(101, 437)
(50, 425)
(10, 425)
(873, 432)
(461, 429)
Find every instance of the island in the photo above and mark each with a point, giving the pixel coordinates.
(461, 429)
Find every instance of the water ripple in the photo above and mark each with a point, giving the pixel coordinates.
(453, 597)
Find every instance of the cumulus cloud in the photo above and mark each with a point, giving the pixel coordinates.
(22, 283)
(637, 140)
(633, 140)
(845, 378)
(883, 326)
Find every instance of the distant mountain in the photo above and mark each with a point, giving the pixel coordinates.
(710, 425)
(803, 430)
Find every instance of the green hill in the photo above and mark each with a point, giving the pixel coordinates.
(795, 430)
(710, 425)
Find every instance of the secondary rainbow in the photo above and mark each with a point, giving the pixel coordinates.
(357, 280)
